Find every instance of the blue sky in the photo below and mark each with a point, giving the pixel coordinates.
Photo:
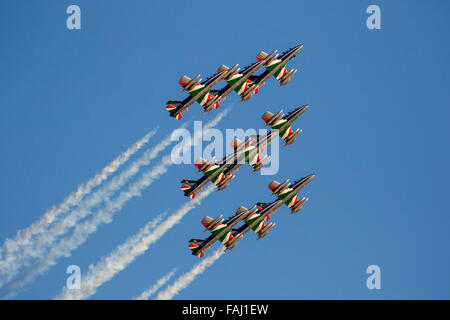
(376, 136)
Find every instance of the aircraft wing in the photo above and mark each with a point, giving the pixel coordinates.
(254, 155)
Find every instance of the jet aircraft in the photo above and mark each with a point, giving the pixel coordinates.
(254, 218)
(221, 173)
(276, 67)
(245, 83)
(198, 91)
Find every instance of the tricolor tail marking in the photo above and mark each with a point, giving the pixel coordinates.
(172, 109)
(193, 246)
(187, 185)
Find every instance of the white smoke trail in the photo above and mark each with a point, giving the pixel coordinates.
(148, 293)
(37, 248)
(109, 266)
(186, 279)
(105, 215)
(23, 240)
(24, 235)
(122, 249)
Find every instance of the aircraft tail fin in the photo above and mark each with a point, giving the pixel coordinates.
(211, 101)
(173, 106)
(187, 185)
(194, 244)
